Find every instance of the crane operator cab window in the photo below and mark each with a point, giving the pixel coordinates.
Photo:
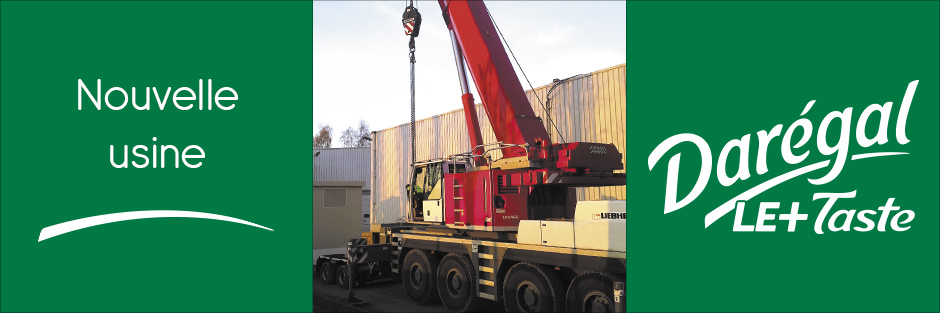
(457, 168)
(425, 185)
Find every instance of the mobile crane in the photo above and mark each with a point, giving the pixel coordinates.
(503, 228)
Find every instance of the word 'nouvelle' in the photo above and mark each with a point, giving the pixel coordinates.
(189, 95)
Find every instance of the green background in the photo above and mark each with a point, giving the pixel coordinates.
(55, 158)
(722, 70)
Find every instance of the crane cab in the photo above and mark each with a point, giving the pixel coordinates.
(427, 186)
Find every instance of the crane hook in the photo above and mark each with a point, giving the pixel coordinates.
(411, 20)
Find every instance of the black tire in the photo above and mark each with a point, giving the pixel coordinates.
(419, 276)
(342, 276)
(533, 288)
(327, 273)
(592, 292)
(456, 284)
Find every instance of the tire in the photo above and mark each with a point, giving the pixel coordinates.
(327, 273)
(533, 288)
(419, 276)
(342, 276)
(591, 292)
(456, 284)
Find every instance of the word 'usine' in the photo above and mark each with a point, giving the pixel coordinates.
(187, 95)
(185, 155)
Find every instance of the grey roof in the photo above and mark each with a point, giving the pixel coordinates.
(342, 164)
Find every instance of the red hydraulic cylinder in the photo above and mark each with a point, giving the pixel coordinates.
(507, 107)
(473, 126)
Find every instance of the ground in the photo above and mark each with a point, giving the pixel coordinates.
(380, 297)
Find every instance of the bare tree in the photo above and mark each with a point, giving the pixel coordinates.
(353, 137)
(324, 138)
(348, 137)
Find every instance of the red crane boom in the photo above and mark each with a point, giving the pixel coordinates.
(502, 95)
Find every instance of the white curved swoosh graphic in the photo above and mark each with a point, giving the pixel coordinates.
(90, 221)
(875, 154)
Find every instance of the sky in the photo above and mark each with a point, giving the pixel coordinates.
(360, 55)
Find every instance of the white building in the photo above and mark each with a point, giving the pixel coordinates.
(340, 197)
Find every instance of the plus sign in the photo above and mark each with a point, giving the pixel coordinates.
(793, 217)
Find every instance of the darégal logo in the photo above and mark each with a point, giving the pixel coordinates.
(887, 216)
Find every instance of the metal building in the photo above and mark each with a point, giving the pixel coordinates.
(341, 189)
(341, 164)
(589, 107)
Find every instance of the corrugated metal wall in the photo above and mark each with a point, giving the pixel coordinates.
(342, 164)
(589, 107)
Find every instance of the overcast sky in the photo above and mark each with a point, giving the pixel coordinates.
(360, 55)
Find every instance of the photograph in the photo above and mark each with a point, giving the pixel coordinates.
(448, 178)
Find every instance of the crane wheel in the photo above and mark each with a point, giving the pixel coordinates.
(533, 288)
(591, 292)
(419, 276)
(456, 283)
(342, 276)
(327, 273)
